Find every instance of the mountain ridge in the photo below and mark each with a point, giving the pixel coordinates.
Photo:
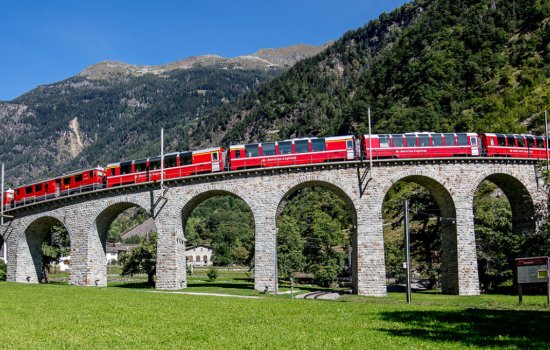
(262, 59)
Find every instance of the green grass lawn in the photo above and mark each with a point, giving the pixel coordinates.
(68, 317)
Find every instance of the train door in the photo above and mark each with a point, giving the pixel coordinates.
(350, 150)
(215, 161)
(475, 145)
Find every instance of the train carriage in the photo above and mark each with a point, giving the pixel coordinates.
(8, 198)
(420, 145)
(78, 181)
(513, 145)
(292, 152)
(177, 164)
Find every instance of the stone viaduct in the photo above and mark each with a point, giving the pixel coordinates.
(452, 182)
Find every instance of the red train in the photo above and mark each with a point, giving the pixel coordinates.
(282, 153)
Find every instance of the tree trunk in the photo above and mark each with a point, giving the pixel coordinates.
(151, 278)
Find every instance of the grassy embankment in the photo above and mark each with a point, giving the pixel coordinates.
(129, 317)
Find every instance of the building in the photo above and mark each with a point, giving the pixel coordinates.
(115, 250)
(200, 255)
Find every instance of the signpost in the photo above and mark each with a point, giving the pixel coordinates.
(533, 270)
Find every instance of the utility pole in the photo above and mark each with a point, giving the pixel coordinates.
(161, 158)
(370, 145)
(4, 246)
(546, 136)
(408, 251)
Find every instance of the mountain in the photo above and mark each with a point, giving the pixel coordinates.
(262, 59)
(113, 111)
(440, 65)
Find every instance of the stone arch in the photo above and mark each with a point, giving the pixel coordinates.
(344, 192)
(29, 251)
(197, 197)
(438, 188)
(103, 217)
(524, 210)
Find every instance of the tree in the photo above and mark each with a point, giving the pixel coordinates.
(142, 259)
(56, 245)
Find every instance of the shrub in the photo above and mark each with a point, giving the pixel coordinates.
(212, 274)
(2, 270)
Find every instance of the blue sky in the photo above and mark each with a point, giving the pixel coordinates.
(42, 42)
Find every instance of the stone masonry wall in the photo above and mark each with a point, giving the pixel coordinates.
(452, 183)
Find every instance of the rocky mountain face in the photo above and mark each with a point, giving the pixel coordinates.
(113, 111)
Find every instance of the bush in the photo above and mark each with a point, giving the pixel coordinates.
(2, 270)
(325, 276)
(212, 274)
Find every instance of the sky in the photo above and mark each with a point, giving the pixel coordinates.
(42, 42)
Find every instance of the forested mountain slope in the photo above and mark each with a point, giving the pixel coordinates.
(429, 65)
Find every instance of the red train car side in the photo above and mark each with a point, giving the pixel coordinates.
(421, 145)
(513, 145)
(7, 201)
(77, 181)
(178, 164)
(292, 152)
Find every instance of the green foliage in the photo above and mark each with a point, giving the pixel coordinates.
(56, 245)
(226, 224)
(3, 270)
(142, 259)
(425, 220)
(212, 274)
(441, 65)
(314, 235)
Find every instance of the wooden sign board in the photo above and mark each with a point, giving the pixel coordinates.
(533, 270)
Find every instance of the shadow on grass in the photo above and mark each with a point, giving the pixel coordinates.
(190, 286)
(474, 327)
(132, 285)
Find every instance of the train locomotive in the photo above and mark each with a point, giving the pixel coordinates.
(299, 151)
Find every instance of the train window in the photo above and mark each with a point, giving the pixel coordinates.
(530, 141)
(397, 140)
(285, 147)
(252, 150)
(214, 156)
(462, 139)
(67, 181)
(540, 141)
(511, 140)
(424, 140)
(302, 146)
(411, 140)
(268, 149)
(91, 174)
(140, 165)
(501, 140)
(28, 190)
(154, 163)
(38, 187)
(521, 141)
(318, 145)
(349, 144)
(186, 158)
(170, 161)
(384, 140)
(78, 178)
(437, 140)
(237, 153)
(449, 139)
(492, 141)
(125, 168)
